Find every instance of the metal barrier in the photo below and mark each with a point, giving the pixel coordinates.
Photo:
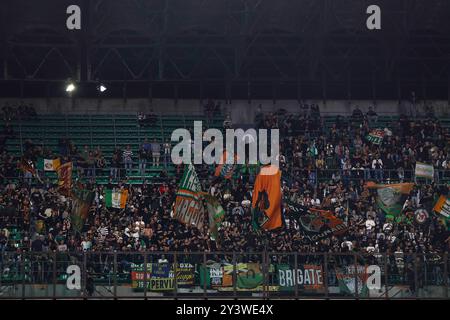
(313, 176)
(225, 275)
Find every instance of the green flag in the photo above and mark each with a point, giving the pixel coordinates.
(376, 136)
(216, 214)
(391, 197)
(82, 200)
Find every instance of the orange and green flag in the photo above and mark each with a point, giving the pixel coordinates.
(188, 207)
(442, 208)
(116, 198)
(65, 178)
(225, 169)
(266, 199)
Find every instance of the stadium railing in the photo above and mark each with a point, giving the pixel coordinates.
(229, 275)
(313, 176)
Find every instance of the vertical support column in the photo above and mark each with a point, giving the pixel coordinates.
(54, 275)
(23, 275)
(446, 274)
(5, 46)
(386, 276)
(84, 275)
(356, 277)
(145, 276)
(234, 275)
(175, 268)
(296, 274)
(204, 275)
(265, 268)
(416, 289)
(1, 265)
(82, 70)
(325, 275)
(115, 275)
(162, 40)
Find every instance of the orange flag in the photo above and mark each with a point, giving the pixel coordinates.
(266, 199)
(65, 178)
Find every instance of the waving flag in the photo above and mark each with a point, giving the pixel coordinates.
(320, 224)
(188, 207)
(116, 198)
(216, 214)
(65, 178)
(266, 199)
(48, 164)
(424, 170)
(442, 206)
(225, 169)
(391, 197)
(82, 200)
(376, 136)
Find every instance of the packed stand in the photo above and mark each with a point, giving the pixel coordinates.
(307, 153)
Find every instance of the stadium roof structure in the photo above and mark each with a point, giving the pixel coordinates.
(259, 48)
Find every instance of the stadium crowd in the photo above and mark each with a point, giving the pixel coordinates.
(321, 169)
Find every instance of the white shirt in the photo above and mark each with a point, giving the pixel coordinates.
(370, 249)
(135, 234)
(347, 244)
(374, 162)
(48, 212)
(370, 224)
(387, 226)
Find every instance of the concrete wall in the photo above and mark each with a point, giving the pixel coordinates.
(240, 110)
(42, 291)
